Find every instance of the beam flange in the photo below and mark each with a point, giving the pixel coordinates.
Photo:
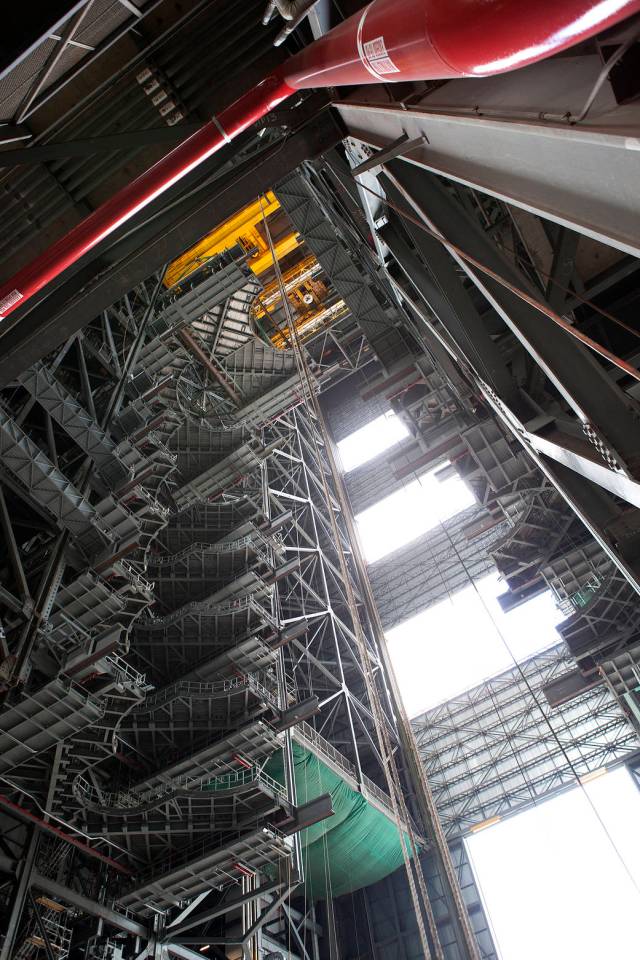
(579, 177)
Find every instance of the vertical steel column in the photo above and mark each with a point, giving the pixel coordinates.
(414, 769)
(325, 586)
(437, 281)
(19, 897)
(289, 766)
(14, 553)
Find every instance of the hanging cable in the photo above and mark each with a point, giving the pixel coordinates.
(396, 794)
(545, 275)
(616, 56)
(532, 693)
(521, 294)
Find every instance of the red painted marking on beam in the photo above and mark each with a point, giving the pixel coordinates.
(43, 825)
(241, 761)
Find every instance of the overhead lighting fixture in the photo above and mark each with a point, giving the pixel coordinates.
(485, 823)
(588, 777)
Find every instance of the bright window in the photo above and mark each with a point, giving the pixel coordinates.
(454, 645)
(369, 441)
(409, 512)
(552, 881)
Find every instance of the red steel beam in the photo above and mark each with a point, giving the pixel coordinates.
(389, 40)
(22, 814)
(196, 351)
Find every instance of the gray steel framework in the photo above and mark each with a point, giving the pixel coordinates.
(583, 168)
(500, 748)
(174, 586)
(222, 570)
(424, 225)
(586, 471)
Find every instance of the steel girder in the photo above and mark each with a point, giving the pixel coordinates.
(214, 633)
(355, 287)
(616, 418)
(579, 174)
(118, 920)
(499, 748)
(567, 364)
(436, 280)
(139, 253)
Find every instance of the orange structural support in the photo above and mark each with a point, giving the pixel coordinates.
(243, 229)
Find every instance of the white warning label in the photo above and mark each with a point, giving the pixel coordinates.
(376, 54)
(9, 301)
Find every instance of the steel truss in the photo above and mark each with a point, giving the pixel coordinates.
(178, 610)
(500, 748)
(212, 626)
(469, 220)
(539, 448)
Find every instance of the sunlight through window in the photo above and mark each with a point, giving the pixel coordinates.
(409, 512)
(553, 881)
(370, 441)
(454, 645)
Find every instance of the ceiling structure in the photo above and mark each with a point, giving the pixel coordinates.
(201, 732)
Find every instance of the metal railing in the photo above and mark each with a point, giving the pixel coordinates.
(89, 795)
(158, 442)
(163, 512)
(213, 609)
(264, 615)
(305, 734)
(220, 546)
(124, 673)
(371, 788)
(202, 690)
(174, 859)
(135, 578)
(575, 602)
(246, 602)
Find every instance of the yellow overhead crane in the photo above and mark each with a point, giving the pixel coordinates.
(311, 302)
(298, 282)
(243, 228)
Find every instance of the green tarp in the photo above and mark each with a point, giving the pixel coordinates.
(357, 846)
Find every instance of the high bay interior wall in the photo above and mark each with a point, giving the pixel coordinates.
(492, 750)
(173, 606)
